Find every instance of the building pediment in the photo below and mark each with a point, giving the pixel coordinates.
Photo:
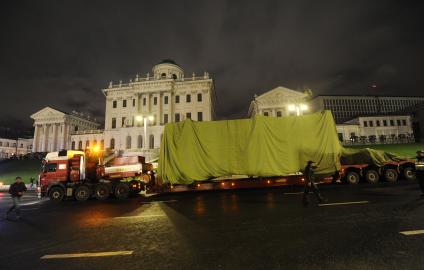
(280, 95)
(47, 112)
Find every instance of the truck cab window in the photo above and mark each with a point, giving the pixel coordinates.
(51, 167)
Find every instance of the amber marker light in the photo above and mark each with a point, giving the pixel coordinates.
(232, 184)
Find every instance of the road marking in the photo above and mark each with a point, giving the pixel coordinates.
(159, 201)
(140, 216)
(90, 254)
(412, 232)
(293, 193)
(31, 203)
(342, 203)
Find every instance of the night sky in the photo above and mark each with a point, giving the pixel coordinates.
(61, 53)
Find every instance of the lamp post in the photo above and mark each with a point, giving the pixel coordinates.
(298, 108)
(145, 118)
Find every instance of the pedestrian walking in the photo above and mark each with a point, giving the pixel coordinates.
(309, 176)
(16, 190)
(32, 181)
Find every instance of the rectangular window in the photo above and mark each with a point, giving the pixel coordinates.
(155, 100)
(188, 98)
(114, 104)
(404, 122)
(371, 123)
(365, 124)
(124, 103)
(123, 121)
(144, 101)
(378, 123)
(113, 122)
(177, 99)
(385, 123)
(265, 113)
(165, 118)
(133, 102)
(392, 123)
(177, 117)
(199, 97)
(51, 167)
(188, 115)
(165, 101)
(279, 114)
(132, 120)
(199, 116)
(398, 122)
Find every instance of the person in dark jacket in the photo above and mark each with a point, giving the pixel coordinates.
(309, 177)
(16, 190)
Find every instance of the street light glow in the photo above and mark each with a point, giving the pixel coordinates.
(303, 107)
(139, 118)
(292, 107)
(151, 118)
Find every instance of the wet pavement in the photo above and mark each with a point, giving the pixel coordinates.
(361, 227)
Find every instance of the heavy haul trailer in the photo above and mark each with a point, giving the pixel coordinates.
(198, 155)
(85, 174)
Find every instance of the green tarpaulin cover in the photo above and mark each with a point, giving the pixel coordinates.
(263, 146)
(351, 156)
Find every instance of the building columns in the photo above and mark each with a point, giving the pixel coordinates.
(35, 147)
(45, 139)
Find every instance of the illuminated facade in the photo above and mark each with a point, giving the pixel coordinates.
(164, 96)
(279, 102)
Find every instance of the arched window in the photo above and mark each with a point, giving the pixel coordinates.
(128, 142)
(152, 141)
(87, 143)
(163, 75)
(102, 144)
(80, 145)
(112, 143)
(140, 141)
(73, 145)
(174, 76)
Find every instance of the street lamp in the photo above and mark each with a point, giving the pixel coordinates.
(145, 118)
(298, 108)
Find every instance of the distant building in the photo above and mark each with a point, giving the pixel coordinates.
(279, 102)
(53, 128)
(18, 147)
(345, 108)
(376, 129)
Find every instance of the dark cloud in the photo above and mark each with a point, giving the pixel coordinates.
(62, 53)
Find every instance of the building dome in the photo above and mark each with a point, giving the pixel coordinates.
(167, 69)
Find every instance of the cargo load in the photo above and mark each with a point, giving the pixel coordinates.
(262, 146)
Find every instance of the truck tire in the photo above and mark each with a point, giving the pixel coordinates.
(101, 192)
(352, 178)
(56, 194)
(371, 176)
(391, 175)
(409, 173)
(122, 191)
(82, 193)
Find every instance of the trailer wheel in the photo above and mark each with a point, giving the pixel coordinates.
(82, 193)
(56, 194)
(372, 176)
(352, 178)
(391, 175)
(101, 192)
(409, 173)
(122, 191)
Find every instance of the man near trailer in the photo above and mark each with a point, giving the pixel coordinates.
(309, 177)
(16, 190)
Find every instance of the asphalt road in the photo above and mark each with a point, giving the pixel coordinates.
(245, 229)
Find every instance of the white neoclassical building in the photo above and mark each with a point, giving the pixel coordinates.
(53, 128)
(279, 102)
(14, 147)
(164, 96)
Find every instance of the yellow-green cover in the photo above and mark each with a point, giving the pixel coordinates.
(263, 146)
